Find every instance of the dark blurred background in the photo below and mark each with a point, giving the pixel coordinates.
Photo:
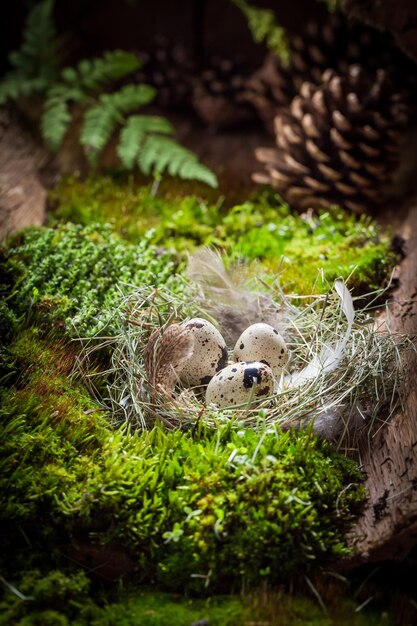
(207, 27)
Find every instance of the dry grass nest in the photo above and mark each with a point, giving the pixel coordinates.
(358, 392)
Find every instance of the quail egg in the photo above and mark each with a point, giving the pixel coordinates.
(262, 342)
(239, 383)
(209, 353)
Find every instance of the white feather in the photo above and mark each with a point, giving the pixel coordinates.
(330, 355)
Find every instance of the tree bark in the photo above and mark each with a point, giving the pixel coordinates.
(388, 527)
(22, 195)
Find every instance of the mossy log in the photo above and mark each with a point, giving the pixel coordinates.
(388, 527)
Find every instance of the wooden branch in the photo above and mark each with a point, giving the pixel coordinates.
(388, 527)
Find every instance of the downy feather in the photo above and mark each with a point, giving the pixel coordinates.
(330, 355)
(223, 295)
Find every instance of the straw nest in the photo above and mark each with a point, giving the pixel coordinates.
(360, 391)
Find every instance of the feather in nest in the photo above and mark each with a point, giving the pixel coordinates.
(331, 354)
(224, 296)
(165, 355)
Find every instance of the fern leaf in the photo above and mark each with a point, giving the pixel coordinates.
(56, 116)
(37, 56)
(70, 76)
(61, 91)
(55, 121)
(15, 86)
(93, 74)
(101, 120)
(133, 135)
(99, 124)
(148, 155)
(264, 28)
(163, 153)
(129, 98)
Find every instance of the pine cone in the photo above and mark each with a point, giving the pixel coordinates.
(338, 143)
(269, 90)
(337, 44)
(170, 69)
(217, 94)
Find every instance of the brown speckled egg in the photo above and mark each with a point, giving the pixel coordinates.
(239, 383)
(262, 342)
(209, 354)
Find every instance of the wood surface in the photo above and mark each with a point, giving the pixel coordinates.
(388, 527)
(22, 194)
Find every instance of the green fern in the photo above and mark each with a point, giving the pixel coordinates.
(55, 121)
(134, 134)
(101, 120)
(37, 56)
(14, 87)
(143, 142)
(92, 74)
(160, 153)
(264, 28)
(56, 116)
(143, 138)
(76, 85)
(35, 65)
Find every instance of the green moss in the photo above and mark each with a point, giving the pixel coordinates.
(8, 323)
(306, 252)
(59, 598)
(246, 507)
(178, 221)
(211, 510)
(199, 511)
(74, 274)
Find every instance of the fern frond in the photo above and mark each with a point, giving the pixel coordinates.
(161, 153)
(264, 28)
(56, 116)
(129, 98)
(101, 120)
(99, 124)
(54, 122)
(134, 133)
(15, 86)
(38, 56)
(94, 73)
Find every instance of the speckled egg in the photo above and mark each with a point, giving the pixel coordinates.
(209, 353)
(262, 342)
(239, 383)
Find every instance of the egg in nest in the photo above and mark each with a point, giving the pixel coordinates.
(262, 342)
(209, 353)
(240, 383)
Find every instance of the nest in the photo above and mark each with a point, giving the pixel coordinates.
(359, 392)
